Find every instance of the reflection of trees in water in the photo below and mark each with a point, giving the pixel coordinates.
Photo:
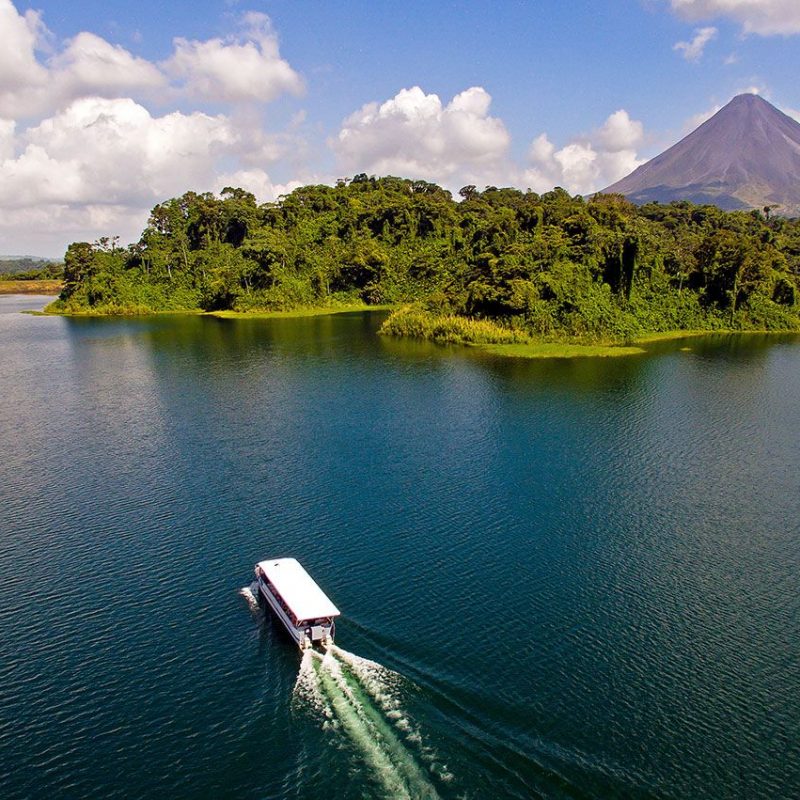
(218, 345)
(588, 374)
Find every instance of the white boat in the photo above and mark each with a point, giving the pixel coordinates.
(304, 609)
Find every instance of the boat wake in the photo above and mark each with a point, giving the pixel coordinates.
(360, 700)
(250, 595)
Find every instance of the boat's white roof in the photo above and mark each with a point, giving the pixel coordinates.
(298, 589)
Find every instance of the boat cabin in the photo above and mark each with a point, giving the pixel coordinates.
(304, 609)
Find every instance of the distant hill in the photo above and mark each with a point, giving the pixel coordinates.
(746, 156)
(14, 265)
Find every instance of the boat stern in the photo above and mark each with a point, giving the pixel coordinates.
(318, 632)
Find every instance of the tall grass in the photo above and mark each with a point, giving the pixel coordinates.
(415, 323)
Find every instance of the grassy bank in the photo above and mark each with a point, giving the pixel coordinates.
(30, 287)
(562, 350)
(415, 323)
(639, 346)
(58, 309)
(597, 350)
(491, 337)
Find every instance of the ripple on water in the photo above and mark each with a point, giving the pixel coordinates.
(582, 577)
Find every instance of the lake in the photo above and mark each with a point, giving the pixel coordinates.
(559, 579)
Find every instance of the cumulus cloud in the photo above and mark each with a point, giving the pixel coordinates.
(100, 164)
(19, 36)
(414, 134)
(236, 69)
(256, 181)
(244, 68)
(589, 163)
(693, 50)
(7, 129)
(21, 74)
(90, 64)
(81, 155)
(86, 65)
(46, 230)
(114, 151)
(620, 132)
(764, 17)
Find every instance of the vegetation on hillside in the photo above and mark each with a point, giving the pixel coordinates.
(30, 269)
(500, 266)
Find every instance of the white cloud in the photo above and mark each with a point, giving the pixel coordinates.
(46, 230)
(100, 151)
(620, 132)
(20, 72)
(243, 68)
(237, 69)
(7, 130)
(587, 164)
(256, 181)
(82, 156)
(414, 134)
(87, 65)
(693, 50)
(753, 89)
(764, 17)
(91, 65)
(19, 35)
(100, 164)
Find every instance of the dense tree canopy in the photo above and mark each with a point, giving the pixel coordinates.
(548, 265)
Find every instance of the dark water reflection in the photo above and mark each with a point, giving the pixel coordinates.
(586, 570)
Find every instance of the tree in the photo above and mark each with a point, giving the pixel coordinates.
(79, 267)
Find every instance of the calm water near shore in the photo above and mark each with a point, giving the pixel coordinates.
(559, 579)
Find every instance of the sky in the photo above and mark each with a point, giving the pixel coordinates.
(108, 107)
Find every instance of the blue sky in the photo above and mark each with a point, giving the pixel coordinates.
(103, 113)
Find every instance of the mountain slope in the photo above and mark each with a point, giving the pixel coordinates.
(746, 156)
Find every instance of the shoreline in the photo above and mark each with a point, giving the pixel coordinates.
(638, 347)
(297, 312)
(313, 311)
(528, 350)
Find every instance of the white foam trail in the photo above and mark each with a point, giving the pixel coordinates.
(360, 731)
(358, 698)
(307, 690)
(250, 594)
(381, 683)
(383, 686)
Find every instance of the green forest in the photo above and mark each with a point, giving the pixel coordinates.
(498, 265)
(29, 269)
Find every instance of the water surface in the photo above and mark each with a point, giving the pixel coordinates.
(577, 578)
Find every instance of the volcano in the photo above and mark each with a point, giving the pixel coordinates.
(746, 156)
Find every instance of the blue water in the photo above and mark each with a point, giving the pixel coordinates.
(576, 579)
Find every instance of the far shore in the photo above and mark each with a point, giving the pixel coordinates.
(31, 287)
(310, 311)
